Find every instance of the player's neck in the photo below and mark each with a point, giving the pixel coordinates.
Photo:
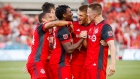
(98, 20)
(63, 19)
(87, 22)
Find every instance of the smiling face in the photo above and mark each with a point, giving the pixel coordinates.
(68, 16)
(82, 17)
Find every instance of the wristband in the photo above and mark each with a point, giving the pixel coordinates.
(69, 22)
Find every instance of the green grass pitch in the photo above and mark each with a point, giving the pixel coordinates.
(124, 70)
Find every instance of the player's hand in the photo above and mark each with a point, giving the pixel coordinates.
(25, 69)
(83, 34)
(111, 69)
(79, 48)
(103, 43)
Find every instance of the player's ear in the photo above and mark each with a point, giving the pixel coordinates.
(64, 15)
(52, 11)
(43, 20)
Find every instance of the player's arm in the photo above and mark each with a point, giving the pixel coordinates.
(107, 35)
(84, 43)
(66, 42)
(69, 48)
(57, 23)
(112, 49)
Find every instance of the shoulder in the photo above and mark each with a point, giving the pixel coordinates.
(39, 27)
(42, 27)
(75, 23)
(106, 27)
(63, 30)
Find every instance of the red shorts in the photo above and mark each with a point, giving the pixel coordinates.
(36, 70)
(94, 73)
(61, 73)
(47, 69)
(78, 72)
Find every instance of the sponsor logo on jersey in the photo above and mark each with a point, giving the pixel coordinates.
(65, 36)
(92, 38)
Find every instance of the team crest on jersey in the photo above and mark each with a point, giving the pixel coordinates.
(110, 33)
(96, 31)
(42, 71)
(65, 36)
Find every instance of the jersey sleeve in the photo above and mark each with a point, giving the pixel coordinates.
(64, 35)
(107, 33)
(43, 27)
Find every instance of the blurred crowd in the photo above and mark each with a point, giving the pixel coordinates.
(16, 29)
(125, 20)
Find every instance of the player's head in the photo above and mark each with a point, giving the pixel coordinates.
(82, 14)
(48, 7)
(44, 17)
(94, 10)
(63, 12)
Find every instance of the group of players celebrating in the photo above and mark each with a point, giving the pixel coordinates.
(64, 49)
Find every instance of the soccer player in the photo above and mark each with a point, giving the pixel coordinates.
(60, 58)
(49, 7)
(39, 51)
(78, 56)
(97, 55)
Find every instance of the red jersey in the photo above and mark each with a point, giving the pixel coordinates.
(59, 57)
(78, 57)
(52, 39)
(39, 49)
(97, 54)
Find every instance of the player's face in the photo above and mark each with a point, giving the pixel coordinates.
(48, 17)
(91, 14)
(68, 15)
(53, 13)
(82, 17)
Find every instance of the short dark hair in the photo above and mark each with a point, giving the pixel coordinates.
(83, 8)
(46, 7)
(41, 15)
(60, 10)
(96, 7)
